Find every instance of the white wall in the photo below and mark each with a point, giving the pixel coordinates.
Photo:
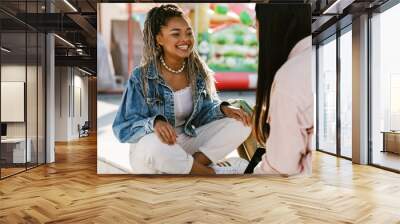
(33, 125)
(14, 73)
(79, 117)
(17, 73)
(61, 103)
(70, 83)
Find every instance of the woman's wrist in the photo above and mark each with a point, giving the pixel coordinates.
(158, 118)
(222, 107)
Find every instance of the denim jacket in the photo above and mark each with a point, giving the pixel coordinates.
(136, 114)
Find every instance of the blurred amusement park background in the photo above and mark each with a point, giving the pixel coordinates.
(225, 39)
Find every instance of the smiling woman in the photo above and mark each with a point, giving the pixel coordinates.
(170, 108)
(177, 39)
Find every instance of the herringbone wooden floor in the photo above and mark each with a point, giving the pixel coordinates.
(70, 191)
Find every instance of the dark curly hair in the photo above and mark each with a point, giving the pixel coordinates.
(156, 18)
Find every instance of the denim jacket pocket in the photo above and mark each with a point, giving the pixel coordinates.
(151, 101)
(155, 105)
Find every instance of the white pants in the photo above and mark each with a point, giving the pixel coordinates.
(215, 140)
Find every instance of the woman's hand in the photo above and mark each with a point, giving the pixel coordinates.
(165, 132)
(236, 113)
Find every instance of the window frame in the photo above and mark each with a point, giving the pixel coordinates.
(334, 37)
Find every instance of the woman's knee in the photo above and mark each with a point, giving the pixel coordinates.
(154, 154)
(149, 148)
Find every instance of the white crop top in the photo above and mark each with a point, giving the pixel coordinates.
(183, 105)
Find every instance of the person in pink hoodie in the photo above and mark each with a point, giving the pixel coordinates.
(283, 118)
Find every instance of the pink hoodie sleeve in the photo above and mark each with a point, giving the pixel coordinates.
(289, 139)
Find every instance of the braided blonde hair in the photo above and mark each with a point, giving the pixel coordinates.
(156, 18)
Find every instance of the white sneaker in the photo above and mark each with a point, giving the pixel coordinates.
(234, 165)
